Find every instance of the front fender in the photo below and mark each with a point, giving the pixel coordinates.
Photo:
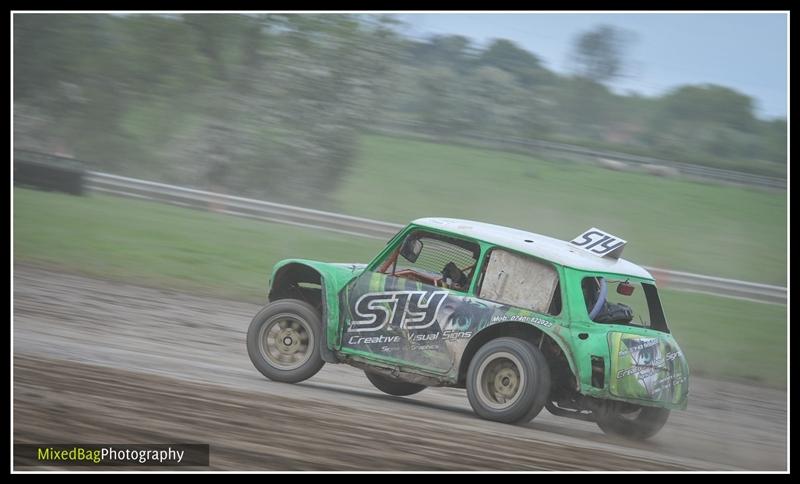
(332, 278)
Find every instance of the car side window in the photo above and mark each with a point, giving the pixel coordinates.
(637, 306)
(521, 281)
(433, 259)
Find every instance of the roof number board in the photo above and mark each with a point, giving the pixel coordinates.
(599, 243)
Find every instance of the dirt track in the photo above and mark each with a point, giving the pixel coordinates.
(103, 362)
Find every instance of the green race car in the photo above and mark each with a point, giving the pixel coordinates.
(522, 321)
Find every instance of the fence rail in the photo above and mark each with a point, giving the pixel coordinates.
(305, 217)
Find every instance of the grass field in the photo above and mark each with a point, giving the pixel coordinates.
(702, 228)
(207, 253)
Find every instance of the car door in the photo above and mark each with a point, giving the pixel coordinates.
(399, 311)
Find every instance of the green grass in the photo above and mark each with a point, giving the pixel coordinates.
(729, 338)
(675, 224)
(207, 253)
(167, 246)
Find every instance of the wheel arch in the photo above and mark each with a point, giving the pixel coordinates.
(554, 350)
(297, 280)
(286, 284)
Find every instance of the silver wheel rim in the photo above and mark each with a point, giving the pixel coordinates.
(501, 380)
(286, 341)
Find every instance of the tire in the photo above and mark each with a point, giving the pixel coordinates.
(508, 381)
(283, 341)
(393, 387)
(630, 421)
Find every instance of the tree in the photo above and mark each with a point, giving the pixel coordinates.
(496, 103)
(586, 106)
(599, 54)
(442, 104)
(453, 51)
(279, 100)
(773, 137)
(508, 56)
(710, 103)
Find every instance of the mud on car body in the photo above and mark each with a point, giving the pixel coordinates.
(521, 320)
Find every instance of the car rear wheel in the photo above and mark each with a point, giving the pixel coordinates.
(508, 381)
(630, 421)
(283, 341)
(392, 386)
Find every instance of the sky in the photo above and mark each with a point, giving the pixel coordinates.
(743, 51)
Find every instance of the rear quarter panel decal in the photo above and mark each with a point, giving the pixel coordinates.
(647, 368)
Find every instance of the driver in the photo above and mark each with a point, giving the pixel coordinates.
(454, 278)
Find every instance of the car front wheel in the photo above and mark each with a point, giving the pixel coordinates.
(283, 341)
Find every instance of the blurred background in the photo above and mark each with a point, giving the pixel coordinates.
(669, 130)
(278, 106)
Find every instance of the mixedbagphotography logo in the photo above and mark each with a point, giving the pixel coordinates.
(194, 455)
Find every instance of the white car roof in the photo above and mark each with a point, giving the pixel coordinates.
(548, 248)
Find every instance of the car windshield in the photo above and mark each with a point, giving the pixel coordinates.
(620, 301)
(433, 259)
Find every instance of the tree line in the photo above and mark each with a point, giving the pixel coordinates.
(273, 105)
